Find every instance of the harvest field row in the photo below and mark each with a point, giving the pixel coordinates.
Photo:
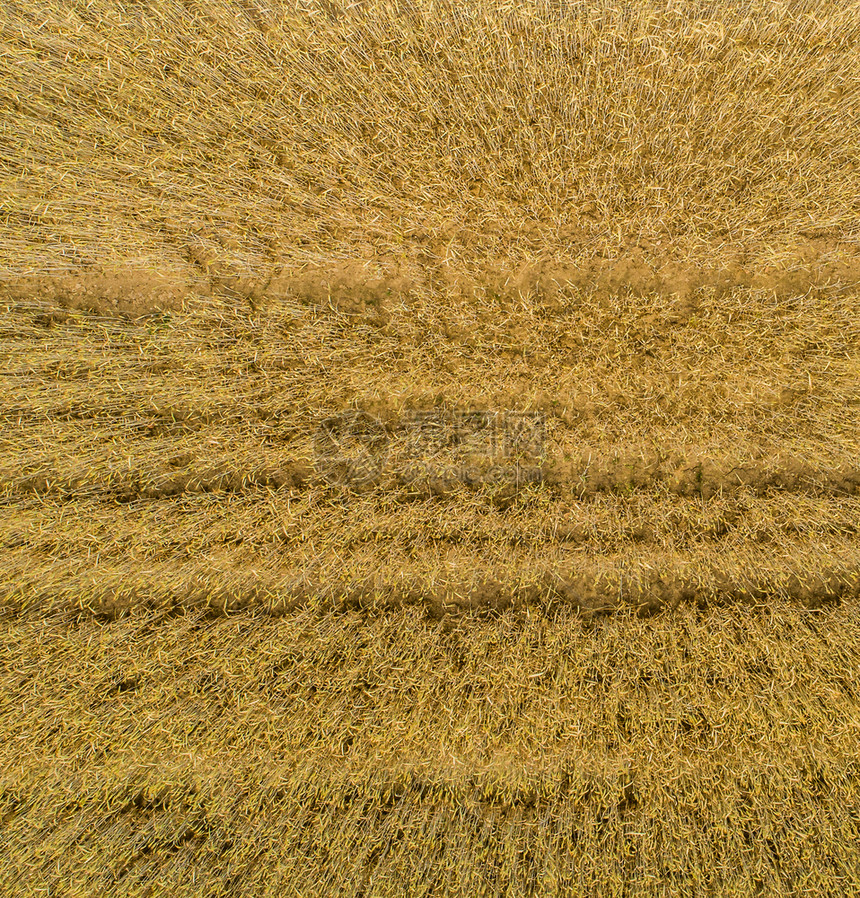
(172, 459)
(390, 754)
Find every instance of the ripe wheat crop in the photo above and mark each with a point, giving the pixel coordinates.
(430, 449)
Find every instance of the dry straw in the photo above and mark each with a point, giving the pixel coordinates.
(222, 223)
(392, 755)
(243, 139)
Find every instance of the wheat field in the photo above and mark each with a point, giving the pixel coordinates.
(430, 449)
